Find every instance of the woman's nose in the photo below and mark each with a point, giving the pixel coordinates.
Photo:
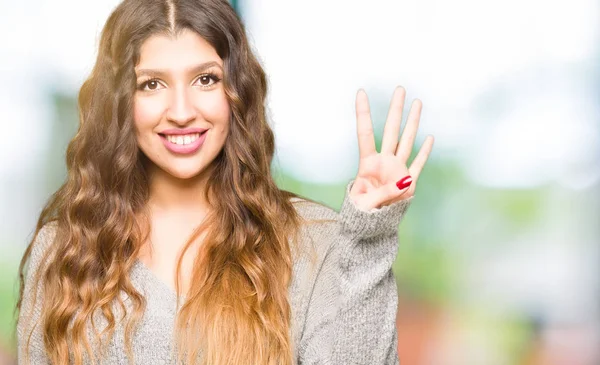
(181, 106)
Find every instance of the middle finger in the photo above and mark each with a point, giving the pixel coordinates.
(391, 130)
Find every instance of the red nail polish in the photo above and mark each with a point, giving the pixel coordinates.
(404, 182)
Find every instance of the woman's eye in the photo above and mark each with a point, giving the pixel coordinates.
(150, 85)
(208, 80)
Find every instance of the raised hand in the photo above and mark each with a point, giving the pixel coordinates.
(383, 177)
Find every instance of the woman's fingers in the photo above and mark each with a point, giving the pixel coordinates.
(417, 165)
(373, 188)
(364, 126)
(410, 131)
(391, 130)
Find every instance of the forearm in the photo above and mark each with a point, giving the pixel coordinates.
(352, 313)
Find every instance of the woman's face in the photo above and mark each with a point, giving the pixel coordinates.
(181, 113)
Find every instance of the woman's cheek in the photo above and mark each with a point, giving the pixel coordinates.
(225, 107)
(216, 108)
(146, 113)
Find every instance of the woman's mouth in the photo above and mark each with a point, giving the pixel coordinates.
(183, 143)
(182, 139)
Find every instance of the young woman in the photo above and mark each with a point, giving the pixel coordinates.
(169, 242)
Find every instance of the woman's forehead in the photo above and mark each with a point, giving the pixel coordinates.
(182, 52)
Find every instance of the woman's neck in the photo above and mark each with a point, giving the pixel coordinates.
(168, 193)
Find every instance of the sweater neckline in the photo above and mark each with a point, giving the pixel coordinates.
(149, 277)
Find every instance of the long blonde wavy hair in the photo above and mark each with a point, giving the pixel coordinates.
(237, 309)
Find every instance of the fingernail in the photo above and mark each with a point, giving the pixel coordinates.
(404, 182)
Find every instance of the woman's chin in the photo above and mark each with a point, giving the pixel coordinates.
(183, 172)
(186, 174)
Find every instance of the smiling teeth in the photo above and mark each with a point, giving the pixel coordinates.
(183, 139)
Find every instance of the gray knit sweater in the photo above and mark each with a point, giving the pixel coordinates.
(343, 308)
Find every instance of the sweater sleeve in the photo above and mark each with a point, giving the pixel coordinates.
(351, 315)
(29, 313)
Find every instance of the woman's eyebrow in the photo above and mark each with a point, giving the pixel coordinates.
(191, 70)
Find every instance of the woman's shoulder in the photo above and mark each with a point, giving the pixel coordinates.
(313, 210)
(42, 242)
(46, 234)
(319, 225)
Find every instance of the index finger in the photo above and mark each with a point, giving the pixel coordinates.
(364, 126)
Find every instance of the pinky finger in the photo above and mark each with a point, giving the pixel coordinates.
(417, 165)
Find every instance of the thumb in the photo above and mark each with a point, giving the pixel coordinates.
(388, 192)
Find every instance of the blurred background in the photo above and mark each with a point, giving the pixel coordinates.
(499, 252)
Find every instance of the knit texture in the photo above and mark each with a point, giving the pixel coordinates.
(344, 301)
